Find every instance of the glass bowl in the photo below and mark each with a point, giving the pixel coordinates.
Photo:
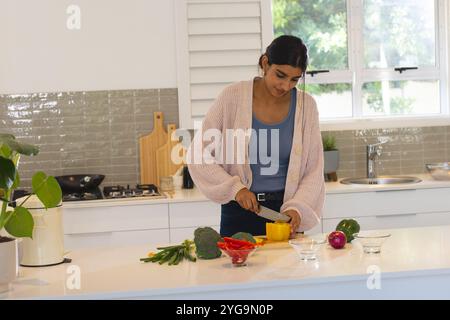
(307, 247)
(238, 257)
(371, 241)
(439, 171)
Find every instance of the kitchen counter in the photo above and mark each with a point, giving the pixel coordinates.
(183, 195)
(414, 263)
(427, 183)
(194, 195)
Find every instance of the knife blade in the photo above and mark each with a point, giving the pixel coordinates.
(273, 215)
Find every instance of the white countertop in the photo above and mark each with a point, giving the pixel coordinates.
(194, 195)
(410, 255)
(183, 195)
(427, 183)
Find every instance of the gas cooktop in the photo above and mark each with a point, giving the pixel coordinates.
(115, 192)
(120, 192)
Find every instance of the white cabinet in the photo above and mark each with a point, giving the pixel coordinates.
(376, 203)
(388, 209)
(116, 218)
(187, 216)
(124, 225)
(116, 239)
(395, 221)
(317, 229)
(178, 235)
(116, 225)
(194, 214)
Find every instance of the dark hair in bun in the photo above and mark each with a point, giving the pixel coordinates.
(288, 50)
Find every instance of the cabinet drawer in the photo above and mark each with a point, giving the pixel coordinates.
(194, 214)
(394, 221)
(119, 218)
(180, 234)
(317, 229)
(115, 239)
(390, 202)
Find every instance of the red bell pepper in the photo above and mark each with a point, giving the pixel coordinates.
(237, 249)
(238, 244)
(222, 245)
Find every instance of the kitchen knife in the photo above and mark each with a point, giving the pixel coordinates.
(273, 215)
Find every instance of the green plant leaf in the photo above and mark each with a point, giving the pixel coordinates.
(16, 183)
(5, 136)
(22, 148)
(7, 173)
(21, 223)
(5, 151)
(47, 189)
(14, 145)
(4, 218)
(329, 143)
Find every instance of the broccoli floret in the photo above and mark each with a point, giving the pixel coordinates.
(205, 240)
(244, 236)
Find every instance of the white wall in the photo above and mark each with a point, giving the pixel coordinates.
(122, 44)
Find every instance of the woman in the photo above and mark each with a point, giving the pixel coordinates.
(284, 128)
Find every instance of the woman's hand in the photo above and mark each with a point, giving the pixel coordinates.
(295, 220)
(247, 200)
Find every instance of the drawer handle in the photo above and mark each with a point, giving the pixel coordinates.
(397, 215)
(87, 234)
(401, 190)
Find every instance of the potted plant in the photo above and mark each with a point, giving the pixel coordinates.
(331, 157)
(17, 220)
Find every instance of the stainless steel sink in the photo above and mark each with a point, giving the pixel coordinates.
(382, 180)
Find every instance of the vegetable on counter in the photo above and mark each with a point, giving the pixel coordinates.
(237, 250)
(278, 231)
(244, 236)
(260, 241)
(235, 244)
(349, 227)
(337, 239)
(205, 240)
(173, 255)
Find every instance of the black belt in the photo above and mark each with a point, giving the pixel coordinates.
(268, 196)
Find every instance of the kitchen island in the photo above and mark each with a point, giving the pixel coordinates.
(414, 263)
(137, 221)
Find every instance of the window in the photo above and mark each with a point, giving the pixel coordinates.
(218, 42)
(383, 58)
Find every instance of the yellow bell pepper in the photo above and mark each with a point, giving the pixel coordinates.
(278, 231)
(259, 241)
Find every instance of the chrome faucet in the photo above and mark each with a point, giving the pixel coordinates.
(373, 150)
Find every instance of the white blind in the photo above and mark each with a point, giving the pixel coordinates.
(218, 43)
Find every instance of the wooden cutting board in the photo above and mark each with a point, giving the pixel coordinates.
(148, 145)
(164, 165)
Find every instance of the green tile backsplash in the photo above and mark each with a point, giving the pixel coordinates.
(86, 132)
(407, 151)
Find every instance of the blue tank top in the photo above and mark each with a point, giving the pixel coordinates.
(270, 150)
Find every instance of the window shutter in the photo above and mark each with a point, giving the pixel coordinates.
(218, 43)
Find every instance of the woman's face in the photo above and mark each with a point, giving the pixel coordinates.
(280, 79)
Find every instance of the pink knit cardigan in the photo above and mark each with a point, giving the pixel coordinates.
(220, 182)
